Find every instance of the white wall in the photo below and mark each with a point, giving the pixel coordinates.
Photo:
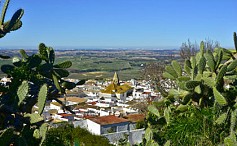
(105, 95)
(52, 106)
(93, 127)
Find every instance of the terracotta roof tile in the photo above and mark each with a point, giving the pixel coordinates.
(106, 120)
(65, 115)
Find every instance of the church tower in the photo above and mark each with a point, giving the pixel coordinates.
(116, 79)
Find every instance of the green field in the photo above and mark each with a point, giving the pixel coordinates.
(103, 68)
(101, 64)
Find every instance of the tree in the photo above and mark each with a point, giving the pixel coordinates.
(66, 135)
(189, 49)
(202, 109)
(153, 71)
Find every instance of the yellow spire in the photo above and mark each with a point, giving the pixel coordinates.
(116, 79)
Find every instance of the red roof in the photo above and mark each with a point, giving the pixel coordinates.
(106, 120)
(65, 115)
(88, 116)
(92, 103)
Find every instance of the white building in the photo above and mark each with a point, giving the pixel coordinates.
(107, 124)
(116, 90)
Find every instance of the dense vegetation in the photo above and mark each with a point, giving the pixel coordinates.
(67, 135)
(201, 109)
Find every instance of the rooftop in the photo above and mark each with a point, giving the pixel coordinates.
(113, 88)
(106, 120)
(74, 99)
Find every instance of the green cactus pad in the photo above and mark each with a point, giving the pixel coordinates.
(169, 69)
(232, 65)
(193, 62)
(51, 54)
(221, 119)
(7, 68)
(182, 108)
(218, 97)
(209, 81)
(168, 76)
(235, 41)
(153, 110)
(186, 99)
(4, 57)
(198, 90)
(183, 78)
(219, 58)
(210, 61)
(61, 73)
(177, 67)
(42, 98)
(22, 91)
(34, 118)
(202, 48)
(23, 54)
(192, 84)
(201, 65)
(43, 51)
(68, 85)
(55, 80)
(167, 115)
(65, 64)
(221, 73)
(36, 134)
(187, 67)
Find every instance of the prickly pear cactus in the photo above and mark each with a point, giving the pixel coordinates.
(35, 79)
(203, 72)
(206, 81)
(11, 25)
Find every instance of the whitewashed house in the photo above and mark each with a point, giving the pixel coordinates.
(107, 124)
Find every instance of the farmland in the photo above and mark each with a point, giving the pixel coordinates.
(102, 63)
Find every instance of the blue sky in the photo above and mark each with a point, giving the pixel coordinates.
(122, 23)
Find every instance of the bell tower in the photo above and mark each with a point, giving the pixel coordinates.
(116, 79)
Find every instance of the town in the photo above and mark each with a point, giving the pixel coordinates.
(114, 109)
